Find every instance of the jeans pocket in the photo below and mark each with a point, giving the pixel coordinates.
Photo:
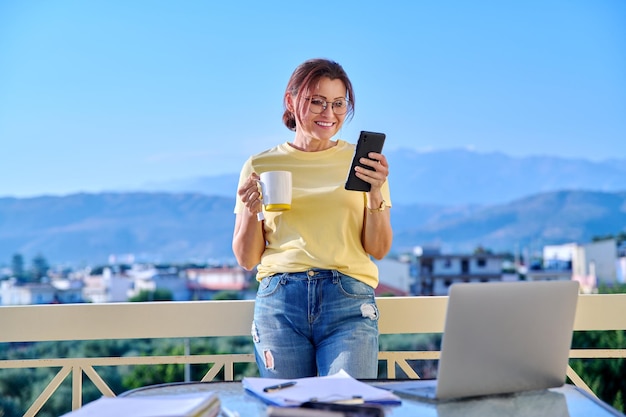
(355, 288)
(268, 286)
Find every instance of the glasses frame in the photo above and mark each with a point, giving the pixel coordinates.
(325, 105)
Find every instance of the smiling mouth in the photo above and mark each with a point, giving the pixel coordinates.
(324, 124)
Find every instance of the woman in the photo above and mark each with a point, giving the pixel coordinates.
(315, 311)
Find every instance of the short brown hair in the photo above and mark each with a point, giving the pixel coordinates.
(306, 75)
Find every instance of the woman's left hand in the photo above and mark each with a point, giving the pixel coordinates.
(377, 234)
(376, 177)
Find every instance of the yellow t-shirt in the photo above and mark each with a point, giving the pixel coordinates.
(323, 228)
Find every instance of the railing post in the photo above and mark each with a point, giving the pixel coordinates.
(77, 387)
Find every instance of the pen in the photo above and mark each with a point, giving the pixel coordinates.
(278, 387)
(355, 399)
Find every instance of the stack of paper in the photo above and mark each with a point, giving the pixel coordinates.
(339, 387)
(199, 404)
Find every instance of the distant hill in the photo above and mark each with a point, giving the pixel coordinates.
(89, 227)
(459, 177)
(530, 222)
(172, 227)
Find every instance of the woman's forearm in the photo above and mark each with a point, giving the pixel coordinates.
(248, 240)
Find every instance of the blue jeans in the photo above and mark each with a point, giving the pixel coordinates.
(315, 323)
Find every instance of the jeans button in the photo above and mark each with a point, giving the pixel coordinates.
(311, 273)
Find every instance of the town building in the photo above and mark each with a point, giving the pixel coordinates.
(204, 283)
(434, 272)
(13, 292)
(591, 264)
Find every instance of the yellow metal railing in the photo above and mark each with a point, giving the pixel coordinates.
(398, 315)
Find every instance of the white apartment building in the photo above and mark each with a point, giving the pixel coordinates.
(14, 293)
(394, 277)
(590, 264)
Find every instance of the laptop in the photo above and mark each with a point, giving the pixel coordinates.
(529, 404)
(501, 338)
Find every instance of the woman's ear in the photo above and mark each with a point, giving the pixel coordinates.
(289, 102)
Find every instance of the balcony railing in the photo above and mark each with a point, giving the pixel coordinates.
(156, 320)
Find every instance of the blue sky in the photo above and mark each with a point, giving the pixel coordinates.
(105, 95)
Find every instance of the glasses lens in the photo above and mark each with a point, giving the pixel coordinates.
(317, 105)
(340, 106)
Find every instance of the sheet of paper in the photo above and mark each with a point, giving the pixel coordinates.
(175, 405)
(333, 388)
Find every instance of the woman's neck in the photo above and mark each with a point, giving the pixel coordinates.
(312, 145)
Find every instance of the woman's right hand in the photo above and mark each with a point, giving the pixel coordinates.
(250, 194)
(248, 236)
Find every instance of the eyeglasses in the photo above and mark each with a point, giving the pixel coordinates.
(318, 105)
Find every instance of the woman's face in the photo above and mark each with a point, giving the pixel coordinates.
(317, 122)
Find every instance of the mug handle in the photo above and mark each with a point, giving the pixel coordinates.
(259, 216)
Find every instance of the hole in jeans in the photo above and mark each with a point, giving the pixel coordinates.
(268, 359)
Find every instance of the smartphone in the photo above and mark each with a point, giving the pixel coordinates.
(368, 142)
(347, 410)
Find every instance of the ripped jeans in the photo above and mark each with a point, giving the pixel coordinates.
(315, 323)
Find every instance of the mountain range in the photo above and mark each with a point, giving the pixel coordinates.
(457, 200)
(458, 177)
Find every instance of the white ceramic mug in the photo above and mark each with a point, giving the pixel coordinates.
(276, 190)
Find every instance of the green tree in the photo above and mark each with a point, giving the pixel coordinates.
(227, 295)
(480, 250)
(40, 267)
(17, 266)
(619, 238)
(160, 294)
(142, 375)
